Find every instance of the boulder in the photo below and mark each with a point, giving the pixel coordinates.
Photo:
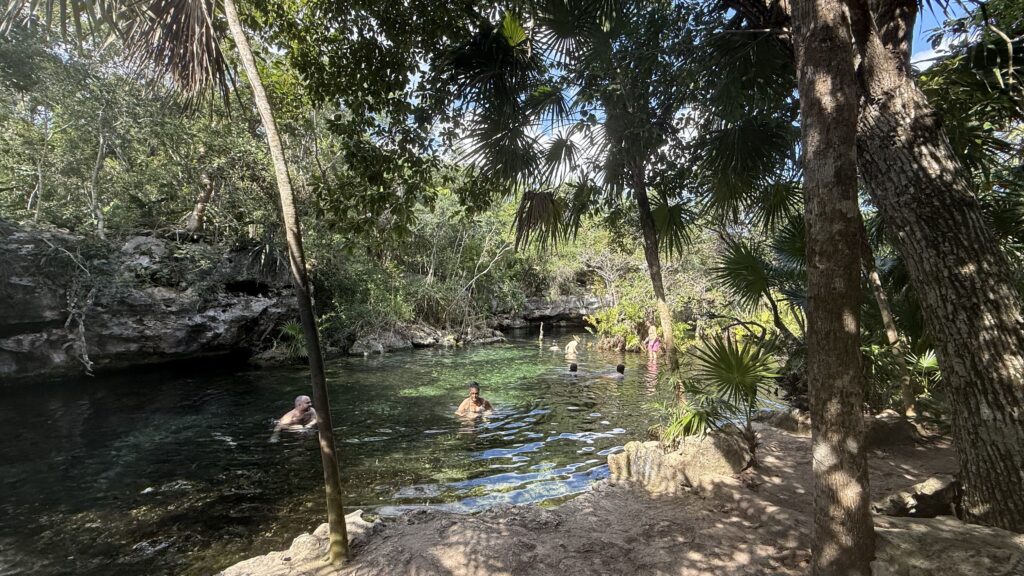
(143, 252)
(944, 546)
(792, 420)
(697, 461)
(482, 336)
(888, 429)
(937, 496)
(422, 336)
(307, 553)
(380, 343)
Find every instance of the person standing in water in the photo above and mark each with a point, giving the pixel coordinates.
(474, 404)
(570, 348)
(653, 341)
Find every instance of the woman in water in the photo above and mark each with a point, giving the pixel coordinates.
(653, 341)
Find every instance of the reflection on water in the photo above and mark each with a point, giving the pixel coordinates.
(166, 473)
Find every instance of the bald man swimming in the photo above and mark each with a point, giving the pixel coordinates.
(302, 417)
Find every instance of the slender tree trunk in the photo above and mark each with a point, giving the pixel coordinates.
(653, 257)
(40, 183)
(892, 335)
(339, 551)
(94, 200)
(958, 270)
(196, 219)
(843, 534)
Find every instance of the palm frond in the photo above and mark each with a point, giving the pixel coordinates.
(776, 202)
(173, 40)
(737, 372)
(736, 157)
(790, 245)
(744, 273)
(672, 221)
(540, 218)
(179, 41)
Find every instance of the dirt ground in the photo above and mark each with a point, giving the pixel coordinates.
(757, 523)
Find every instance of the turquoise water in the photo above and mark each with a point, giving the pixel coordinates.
(172, 473)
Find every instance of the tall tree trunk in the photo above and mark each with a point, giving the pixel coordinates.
(843, 535)
(960, 274)
(653, 257)
(892, 335)
(94, 200)
(339, 551)
(196, 220)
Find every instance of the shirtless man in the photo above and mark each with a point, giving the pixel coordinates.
(302, 417)
(474, 404)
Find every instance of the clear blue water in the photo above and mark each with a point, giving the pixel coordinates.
(172, 473)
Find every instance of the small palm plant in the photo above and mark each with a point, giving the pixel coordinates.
(292, 340)
(730, 380)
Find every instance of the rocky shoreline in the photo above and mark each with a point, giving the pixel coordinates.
(74, 306)
(658, 517)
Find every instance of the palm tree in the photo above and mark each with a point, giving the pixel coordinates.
(575, 113)
(179, 40)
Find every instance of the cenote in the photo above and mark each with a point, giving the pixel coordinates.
(172, 473)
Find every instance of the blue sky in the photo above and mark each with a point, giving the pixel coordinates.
(928, 20)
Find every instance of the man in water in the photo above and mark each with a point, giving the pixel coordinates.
(474, 404)
(302, 417)
(573, 369)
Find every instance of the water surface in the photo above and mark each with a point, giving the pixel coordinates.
(172, 473)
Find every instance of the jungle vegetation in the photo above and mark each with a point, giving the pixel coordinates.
(839, 222)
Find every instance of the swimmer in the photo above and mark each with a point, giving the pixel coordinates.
(302, 417)
(474, 404)
(573, 369)
(620, 373)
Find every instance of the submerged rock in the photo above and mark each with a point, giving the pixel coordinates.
(698, 461)
(944, 546)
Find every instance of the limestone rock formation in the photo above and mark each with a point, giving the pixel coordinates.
(888, 429)
(944, 546)
(552, 310)
(74, 305)
(404, 337)
(697, 461)
(307, 553)
(792, 420)
(936, 496)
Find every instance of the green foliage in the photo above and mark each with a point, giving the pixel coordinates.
(293, 340)
(730, 380)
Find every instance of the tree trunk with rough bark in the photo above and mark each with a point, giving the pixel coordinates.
(843, 542)
(339, 550)
(892, 335)
(653, 257)
(957, 268)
